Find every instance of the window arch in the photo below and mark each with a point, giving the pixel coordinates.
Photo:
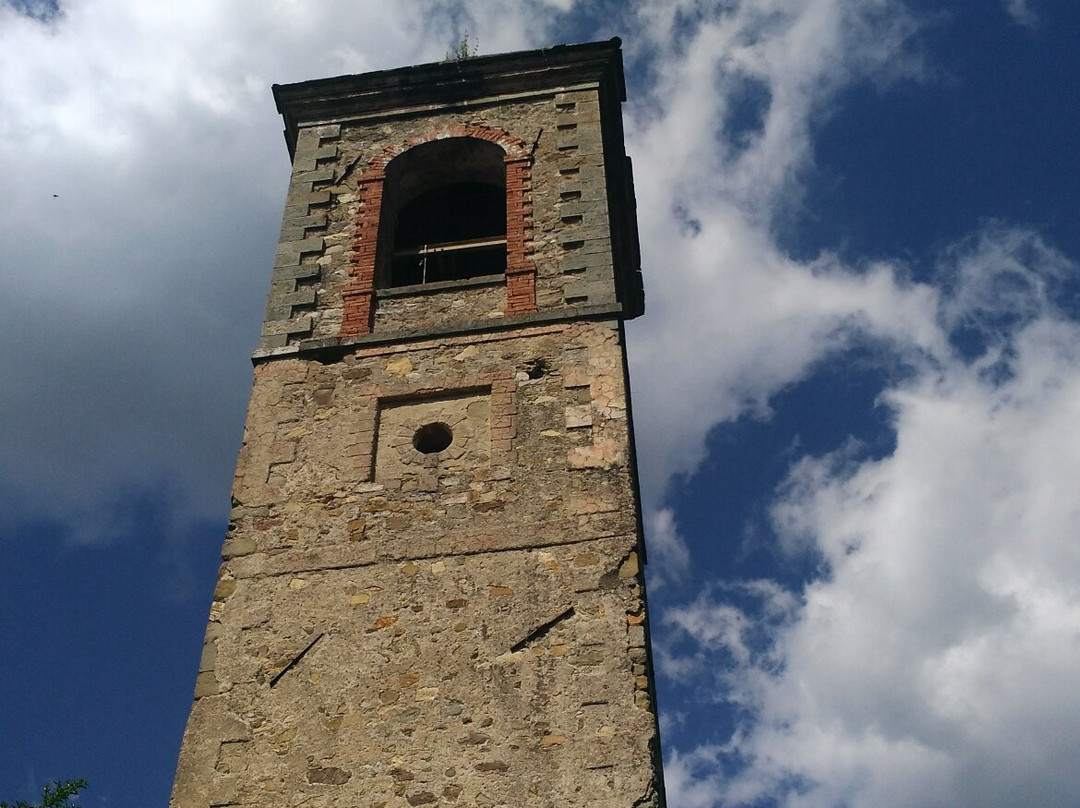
(443, 214)
(404, 173)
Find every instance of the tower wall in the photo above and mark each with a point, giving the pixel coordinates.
(397, 623)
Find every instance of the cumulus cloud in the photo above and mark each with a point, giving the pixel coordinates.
(143, 190)
(732, 319)
(147, 178)
(931, 661)
(927, 663)
(144, 182)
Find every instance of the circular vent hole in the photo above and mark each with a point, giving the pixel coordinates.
(432, 438)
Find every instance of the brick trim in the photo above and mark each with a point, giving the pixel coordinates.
(358, 296)
(520, 269)
(514, 147)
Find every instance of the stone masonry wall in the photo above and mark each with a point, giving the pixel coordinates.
(464, 627)
(566, 218)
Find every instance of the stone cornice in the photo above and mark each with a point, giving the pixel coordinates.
(449, 83)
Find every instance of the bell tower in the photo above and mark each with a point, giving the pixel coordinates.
(432, 590)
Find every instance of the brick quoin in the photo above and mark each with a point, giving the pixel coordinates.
(359, 293)
(520, 270)
(358, 296)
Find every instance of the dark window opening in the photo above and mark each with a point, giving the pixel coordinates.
(450, 233)
(444, 213)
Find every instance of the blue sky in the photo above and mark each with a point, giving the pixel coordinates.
(860, 244)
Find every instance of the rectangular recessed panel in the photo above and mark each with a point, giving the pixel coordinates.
(433, 440)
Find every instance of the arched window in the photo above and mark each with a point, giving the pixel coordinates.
(444, 213)
(453, 207)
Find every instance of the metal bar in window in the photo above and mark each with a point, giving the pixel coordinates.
(450, 246)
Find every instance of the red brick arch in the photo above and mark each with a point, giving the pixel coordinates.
(359, 293)
(515, 148)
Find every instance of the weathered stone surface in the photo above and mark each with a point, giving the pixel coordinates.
(331, 775)
(568, 216)
(238, 547)
(422, 594)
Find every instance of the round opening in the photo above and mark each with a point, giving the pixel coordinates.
(432, 438)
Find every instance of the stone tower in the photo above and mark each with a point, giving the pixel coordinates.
(432, 590)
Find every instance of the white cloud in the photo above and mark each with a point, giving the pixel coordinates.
(932, 663)
(1001, 276)
(144, 179)
(669, 557)
(930, 666)
(1022, 12)
(145, 173)
(731, 320)
(154, 128)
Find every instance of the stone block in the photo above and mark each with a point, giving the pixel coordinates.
(296, 325)
(579, 416)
